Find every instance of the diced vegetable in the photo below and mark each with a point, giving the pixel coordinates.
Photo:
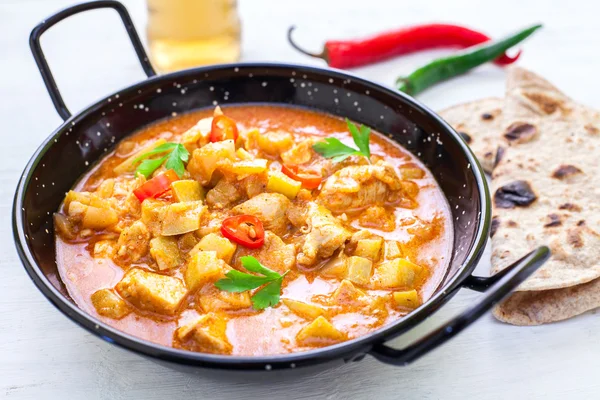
(304, 310)
(243, 155)
(64, 226)
(204, 160)
(274, 142)
(392, 249)
(165, 252)
(153, 212)
(246, 230)
(396, 273)
(369, 248)
(108, 304)
(243, 168)
(187, 241)
(208, 334)
(187, 190)
(156, 186)
(411, 171)
(309, 179)
(347, 295)
(129, 164)
(410, 188)
(217, 243)
(318, 333)
(152, 292)
(408, 300)
(223, 128)
(358, 270)
(280, 183)
(98, 218)
(180, 218)
(335, 267)
(203, 267)
(106, 188)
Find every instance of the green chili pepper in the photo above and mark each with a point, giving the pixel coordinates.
(448, 67)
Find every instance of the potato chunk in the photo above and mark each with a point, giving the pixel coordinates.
(274, 142)
(217, 243)
(153, 212)
(369, 248)
(180, 218)
(203, 267)
(99, 218)
(396, 273)
(358, 270)
(408, 300)
(248, 167)
(205, 159)
(187, 190)
(108, 304)
(304, 310)
(320, 332)
(165, 251)
(150, 291)
(347, 295)
(335, 267)
(208, 334)
(213, 299)
(392, 249)
(280, 183)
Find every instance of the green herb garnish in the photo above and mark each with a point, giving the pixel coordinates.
(177, 155)
(338, 151)
(237, 282)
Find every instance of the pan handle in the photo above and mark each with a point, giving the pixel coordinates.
(40, 59)
(500, 285)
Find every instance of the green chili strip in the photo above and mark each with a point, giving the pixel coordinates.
(448, 67)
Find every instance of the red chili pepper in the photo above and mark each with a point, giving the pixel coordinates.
(309, 180)
(246, 230)
(354, 53)
(223, 128)
(156, 186)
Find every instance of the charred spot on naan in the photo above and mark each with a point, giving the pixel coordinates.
(520, 132)
(569, 207)
(553, 220)
(565, 171)
(514, 194)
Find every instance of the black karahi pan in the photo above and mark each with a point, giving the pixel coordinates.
(85, 137)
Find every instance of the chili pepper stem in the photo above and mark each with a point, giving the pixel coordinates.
(322, 55)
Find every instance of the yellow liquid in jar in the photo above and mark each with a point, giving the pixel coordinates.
(188, 33)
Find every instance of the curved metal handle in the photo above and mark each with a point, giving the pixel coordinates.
(40, 59)
(499, 287)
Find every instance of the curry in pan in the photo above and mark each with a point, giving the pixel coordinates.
(253, 230)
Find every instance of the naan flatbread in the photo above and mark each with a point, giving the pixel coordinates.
(545, 189)
(480, 124)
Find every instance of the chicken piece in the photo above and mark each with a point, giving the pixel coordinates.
(207, 334)
(152, 292)
(254, 185)
(108, 304)
(223, 194)
(274, 253)
(270, 208)
(300, 153)
(325, 235)
(132, 244)
(320, 332)
(213, 299)
(357, 187)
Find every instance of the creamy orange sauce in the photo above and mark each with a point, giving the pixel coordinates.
(274, 329)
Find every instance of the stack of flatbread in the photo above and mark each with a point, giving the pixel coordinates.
(543, 151)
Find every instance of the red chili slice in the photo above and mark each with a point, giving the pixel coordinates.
(156, 186)
(246, 230)
(223, 128)
(309, 180)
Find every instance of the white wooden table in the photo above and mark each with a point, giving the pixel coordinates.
(45, 356)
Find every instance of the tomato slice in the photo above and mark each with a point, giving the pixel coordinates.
(223, 128)
(156, 186)
(246, 230)
(309, 180)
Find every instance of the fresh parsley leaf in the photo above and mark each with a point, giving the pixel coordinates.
(336, 150)
(270, 281)
(268, 296)
(175, 159)
(147, 167)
